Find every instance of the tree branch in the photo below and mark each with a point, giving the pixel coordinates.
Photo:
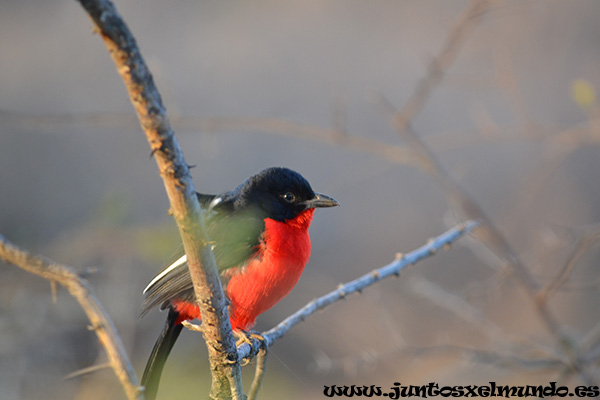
(143, 94)
(79, 288)
(357, 285)
(259, 374)
(489, 235)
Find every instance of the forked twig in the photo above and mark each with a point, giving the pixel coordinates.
(259, 373)
(83, 292)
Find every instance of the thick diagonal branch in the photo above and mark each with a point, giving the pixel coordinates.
(178, 183)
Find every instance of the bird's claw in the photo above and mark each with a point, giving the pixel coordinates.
(254, 339)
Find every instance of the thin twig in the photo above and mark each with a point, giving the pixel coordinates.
(455, 40)
(585, 241)
(143, 94)
(357, 285)
(87, 370)
(82, 291)
(259, 373)
(192, 327)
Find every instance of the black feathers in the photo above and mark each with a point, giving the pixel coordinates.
(267, 191)
(160, 352)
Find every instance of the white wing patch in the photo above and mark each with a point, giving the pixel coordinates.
(182, 260)
(215, 202)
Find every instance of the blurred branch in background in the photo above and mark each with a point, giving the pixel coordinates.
(572, 350)
(461, 203)
(80, 289)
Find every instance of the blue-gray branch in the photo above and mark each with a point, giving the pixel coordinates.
(392, 269)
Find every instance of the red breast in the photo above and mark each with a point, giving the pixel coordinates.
(268, 277)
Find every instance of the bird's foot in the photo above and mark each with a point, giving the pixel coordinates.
(252, 338)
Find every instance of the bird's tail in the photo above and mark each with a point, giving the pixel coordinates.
(160, 352)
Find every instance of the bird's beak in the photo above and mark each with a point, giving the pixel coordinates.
(321, 200)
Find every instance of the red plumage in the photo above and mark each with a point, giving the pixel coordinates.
(268, 277)
(260, 240)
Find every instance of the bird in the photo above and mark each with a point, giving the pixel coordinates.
(259, 236)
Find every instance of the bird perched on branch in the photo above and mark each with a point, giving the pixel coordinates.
(261, 245)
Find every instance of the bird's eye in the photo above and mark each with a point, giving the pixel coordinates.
(289, 197)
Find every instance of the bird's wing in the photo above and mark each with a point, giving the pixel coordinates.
(236, 237)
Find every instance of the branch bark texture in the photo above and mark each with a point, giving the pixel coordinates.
(144, 96)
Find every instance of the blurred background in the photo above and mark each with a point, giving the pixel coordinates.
(307, 84)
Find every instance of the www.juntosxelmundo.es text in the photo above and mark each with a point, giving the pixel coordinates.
(435, 390)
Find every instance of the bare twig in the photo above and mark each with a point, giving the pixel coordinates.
(584, 243)
(87, 370)
(261, 363)
(192, 327)
(82, 291)
(186, 211)
(436, 70)
(357, 285)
